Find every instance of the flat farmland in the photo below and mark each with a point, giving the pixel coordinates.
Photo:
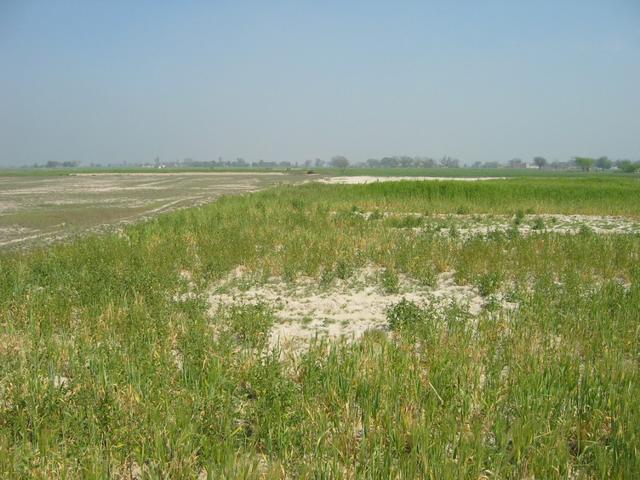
(40, 209)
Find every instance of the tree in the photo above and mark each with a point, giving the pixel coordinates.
(627, 166)
(540, 162)
(339, 161)
(240, 162)
(405, 161)
(585, 163)
(449, 162)
(373, 163)
(604, 163)
(389, 162)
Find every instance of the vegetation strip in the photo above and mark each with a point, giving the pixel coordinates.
(112, 363)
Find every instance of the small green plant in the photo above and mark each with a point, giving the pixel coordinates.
(343, 270)
(390, 281)
(406, 314)
(408, 221)
(513, 232)
(327, 276)
(427, 276)
(249, 324)
(297, 204)
(585, 229)
(462, 210)
(538, 223)
(519, 217)
(489, 283)
(492, 303)
(376, 215)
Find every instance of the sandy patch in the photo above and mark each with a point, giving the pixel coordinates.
(364, 179)
(467, 226)
(344, 310)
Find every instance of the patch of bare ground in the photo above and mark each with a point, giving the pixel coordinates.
(364, 179)
(470, 225)
(306, 309)
(124, 198)
(547, 223)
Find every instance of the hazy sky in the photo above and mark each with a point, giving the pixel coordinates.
(109, 81)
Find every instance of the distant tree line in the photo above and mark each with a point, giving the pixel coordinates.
(54, 164)
(587, 164)
(237, 163)
(403, 161)
(397, 161)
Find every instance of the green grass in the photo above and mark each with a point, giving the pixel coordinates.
(91, 340)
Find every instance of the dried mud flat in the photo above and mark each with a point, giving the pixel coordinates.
(43, 209)
(305, 309)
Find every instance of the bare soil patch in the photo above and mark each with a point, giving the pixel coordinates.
(305, 309)
(364, 179)
(45, 209)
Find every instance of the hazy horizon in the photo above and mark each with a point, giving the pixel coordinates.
(119, 82)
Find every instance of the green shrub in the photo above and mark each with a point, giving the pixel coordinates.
(406, 314)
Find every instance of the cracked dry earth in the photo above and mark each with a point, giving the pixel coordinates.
(344, 310)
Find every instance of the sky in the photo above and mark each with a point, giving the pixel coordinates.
(129, 81)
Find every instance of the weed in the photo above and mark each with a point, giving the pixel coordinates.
(538, 223)
(426, 275)
(376, 215)
(489, 283)
(390, 281)
(248, 324)
(519, 217)
(408, 221)
(343, 270)
(585, 230)
(407, 314)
